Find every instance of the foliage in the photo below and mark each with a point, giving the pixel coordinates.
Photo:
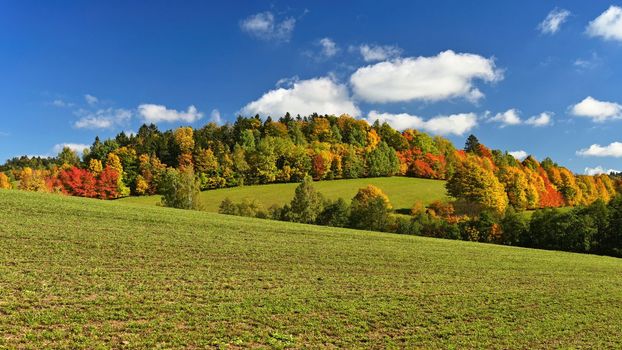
(5, 182)
(478, 185)
(370, 209)
(180, 189)
(307, 203)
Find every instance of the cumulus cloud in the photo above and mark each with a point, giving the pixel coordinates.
(328, 47)
(608, 25)
(215, 117)
(455, 124)
(152, 113)
(599, 170)
(373, 53)
(507, 118)
(553, 21)
(90, 99)
(76, 147)
(598, 111)
(102, 118)
(542, 119)
(447, 75)
(304, 97)
(614, 149)
(520, 155)
(264, 26)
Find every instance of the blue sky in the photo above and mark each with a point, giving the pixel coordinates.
(72, 70)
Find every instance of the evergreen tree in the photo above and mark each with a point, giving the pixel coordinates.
(307, 203)
(472, 144)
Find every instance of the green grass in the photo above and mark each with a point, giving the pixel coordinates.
(78, 273)
(402, 191)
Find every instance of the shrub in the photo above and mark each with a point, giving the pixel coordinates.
(336, 214)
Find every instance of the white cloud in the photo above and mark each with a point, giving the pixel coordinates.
(509, 117)
(614, 149)
(102, 118)
(152, 113)
(305, 97)
(90, 99)
(599, 170)
(520, 155)
(329, 47)
(583, 64)
(543, 119)
(599, 111)
(553, 21)
(76, 147)
(372, 53)
(447, 75)
(456, 124)
(215, 117)
(608, 25)
(264, 26)
(61, 103)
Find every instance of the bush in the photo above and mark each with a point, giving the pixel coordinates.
(336, 214)
(248, 208)
(514, 227)
(552, 229)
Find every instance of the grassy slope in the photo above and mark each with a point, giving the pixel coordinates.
(402, 191)
(79, 273)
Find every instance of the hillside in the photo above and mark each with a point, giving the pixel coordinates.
(402, 191)
(81, 273)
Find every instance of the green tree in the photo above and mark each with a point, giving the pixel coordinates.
(68, 157)
(180, 189)
(472, 145)
(382, 161)
(336, 214)
(307, 203)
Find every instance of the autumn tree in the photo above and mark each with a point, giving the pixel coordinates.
(477, 185)
(370, 209)
(5, 183)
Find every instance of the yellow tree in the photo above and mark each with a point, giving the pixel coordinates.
(477, 185)
(113, 161)
(184, 139)
(5, 184)
(95, 166)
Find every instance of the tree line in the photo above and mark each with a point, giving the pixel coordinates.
(595, 228)
(256, 151)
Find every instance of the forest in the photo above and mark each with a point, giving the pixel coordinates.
(255, 151)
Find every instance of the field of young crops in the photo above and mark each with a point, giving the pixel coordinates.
(79, 273)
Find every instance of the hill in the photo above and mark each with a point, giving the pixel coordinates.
(402, 191)
(81, 273)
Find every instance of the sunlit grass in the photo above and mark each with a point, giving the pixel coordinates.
(78, 273)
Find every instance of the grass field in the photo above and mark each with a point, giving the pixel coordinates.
(78, 273)
(402, 191)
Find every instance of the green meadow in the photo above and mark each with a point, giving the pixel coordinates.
(87, 274)
(402, 191)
